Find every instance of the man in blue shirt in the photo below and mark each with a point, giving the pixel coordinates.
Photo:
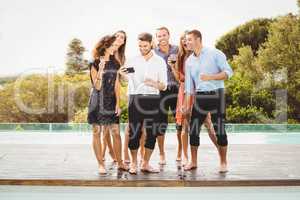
(205, 72)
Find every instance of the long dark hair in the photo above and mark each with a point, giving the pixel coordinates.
(100, 48)
(104, 43)
(120, 55)
(99, 51)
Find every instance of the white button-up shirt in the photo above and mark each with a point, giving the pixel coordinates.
(155, 68)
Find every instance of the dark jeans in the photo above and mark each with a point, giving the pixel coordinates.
(142, 110)
(168, 100)
(205, 102)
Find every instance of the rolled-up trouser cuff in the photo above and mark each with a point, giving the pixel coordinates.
(133, 146)
(150, 144)
(194, 140)
(222, 140)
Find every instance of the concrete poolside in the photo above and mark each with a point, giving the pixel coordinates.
(68, 159)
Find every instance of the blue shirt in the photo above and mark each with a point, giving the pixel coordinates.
(210, 61)
(173, 50)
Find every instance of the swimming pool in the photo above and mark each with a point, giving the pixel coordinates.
(44, 137)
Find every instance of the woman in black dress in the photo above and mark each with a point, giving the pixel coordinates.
(104, 104)
(121, 39)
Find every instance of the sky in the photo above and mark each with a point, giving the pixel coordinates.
(34, 34)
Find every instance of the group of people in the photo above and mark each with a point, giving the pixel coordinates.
(185, 80)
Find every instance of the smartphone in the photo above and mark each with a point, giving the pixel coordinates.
(130, 70)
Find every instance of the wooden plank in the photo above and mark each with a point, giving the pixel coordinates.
(151, 183)
(75, 165)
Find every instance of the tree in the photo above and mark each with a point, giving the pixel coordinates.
(245, 65)
(75, 62)
(246, 103)
(36, 99)
(252, 33)
(279, 58)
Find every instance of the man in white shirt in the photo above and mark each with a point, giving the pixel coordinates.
(148, 78)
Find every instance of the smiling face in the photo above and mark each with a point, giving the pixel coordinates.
(192, 42)
(162, 37)
(120, 38)
(144, 47)
(183, 42)
(113, 48)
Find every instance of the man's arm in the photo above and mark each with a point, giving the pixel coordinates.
(222, 64)
(162, 81)
(163, 76)
(219, 76)
(189, 90)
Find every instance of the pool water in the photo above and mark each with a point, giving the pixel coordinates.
(29, 137)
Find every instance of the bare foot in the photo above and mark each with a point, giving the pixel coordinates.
(133, 169)
(127, 161)
(162, 160)
(102, 169)
(190, 167)
(122, 167)
(223, 168)
(178, 159)
(148, 169)
(141, 163)
(185, 161)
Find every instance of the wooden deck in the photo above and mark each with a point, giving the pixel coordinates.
(75, 165)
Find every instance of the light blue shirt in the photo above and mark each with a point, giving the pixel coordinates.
(210, 61)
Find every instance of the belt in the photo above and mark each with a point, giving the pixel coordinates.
(213, 92)
(144, 95)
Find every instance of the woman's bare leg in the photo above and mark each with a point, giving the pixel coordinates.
(142, 143)
(106, 142)
(179, 148)
(110, 147)
(125, 148)
(117, 145)
(185, 143)
(97, 147)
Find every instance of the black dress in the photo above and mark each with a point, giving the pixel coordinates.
(102, 103)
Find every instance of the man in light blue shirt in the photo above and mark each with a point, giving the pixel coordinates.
(205, 72)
